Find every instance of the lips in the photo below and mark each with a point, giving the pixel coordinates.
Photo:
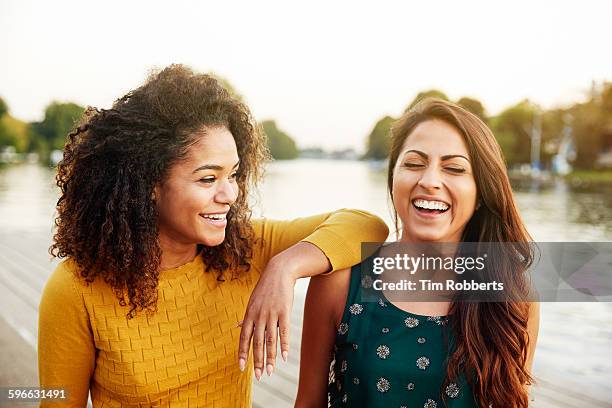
(215, 219)
(429, 207)
(214, 216)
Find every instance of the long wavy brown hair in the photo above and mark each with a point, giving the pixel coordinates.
(490, 338)
(107, 216)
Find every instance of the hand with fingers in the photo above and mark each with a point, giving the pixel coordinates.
(267, 319)
(269, 308)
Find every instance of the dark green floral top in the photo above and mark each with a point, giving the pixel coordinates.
(387, 357)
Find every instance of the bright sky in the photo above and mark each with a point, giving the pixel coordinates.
(326, 71)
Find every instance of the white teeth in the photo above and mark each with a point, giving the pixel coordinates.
(214, 216)
(431, 205)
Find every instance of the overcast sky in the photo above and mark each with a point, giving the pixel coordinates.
(326, 71)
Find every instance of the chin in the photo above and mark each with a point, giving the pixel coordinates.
(428, 236)
(212, 241)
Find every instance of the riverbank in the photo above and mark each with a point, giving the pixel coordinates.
(588, 177)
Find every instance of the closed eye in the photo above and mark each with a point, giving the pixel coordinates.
(207, 180)
(455, 169)
(412, 165)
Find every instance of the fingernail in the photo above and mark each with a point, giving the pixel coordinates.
(269, 369)
(285, 355)
(258, 373)
(241, 364)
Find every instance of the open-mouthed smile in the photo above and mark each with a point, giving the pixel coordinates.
(430, 208)
(216, 219)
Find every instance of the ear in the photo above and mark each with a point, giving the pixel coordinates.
(156, 192)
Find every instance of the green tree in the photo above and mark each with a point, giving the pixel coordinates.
(605, 112)
(586, 132)
(513, 129)
(281, 145)
(553, 124)
(59, 120)
(4, 137)
(379, 140)
(506, 141)
(474, 106)
(592, 127)
(14, 132)
(432, 93)
(3, 107)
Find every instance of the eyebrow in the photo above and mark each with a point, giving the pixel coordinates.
(214, 167)
(445, 157)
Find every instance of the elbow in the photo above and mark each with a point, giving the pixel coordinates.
(375, 224)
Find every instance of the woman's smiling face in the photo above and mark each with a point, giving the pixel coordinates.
(434, 191)
(196, 196)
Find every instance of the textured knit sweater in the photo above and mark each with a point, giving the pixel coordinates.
(186, 353)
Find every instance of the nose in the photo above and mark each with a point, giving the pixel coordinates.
(431, 179)
(227, 192)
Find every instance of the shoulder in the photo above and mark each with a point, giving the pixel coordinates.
(330, 292)
(65, 284)
(62, 291)
(63, 279)
(533, 327)
(533, 319)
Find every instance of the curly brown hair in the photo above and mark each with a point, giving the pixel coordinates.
(107, 215)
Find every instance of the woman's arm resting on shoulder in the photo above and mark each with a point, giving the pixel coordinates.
(325, 302)
(338, 235)
(290, 250)
(66, 352)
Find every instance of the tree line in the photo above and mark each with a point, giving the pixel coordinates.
(589, 124)
(59, 119)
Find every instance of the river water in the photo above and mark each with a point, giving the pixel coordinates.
(575, 341)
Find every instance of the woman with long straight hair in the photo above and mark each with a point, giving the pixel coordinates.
(162, 256)
(448, 183)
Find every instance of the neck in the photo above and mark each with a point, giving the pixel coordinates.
(174, 253)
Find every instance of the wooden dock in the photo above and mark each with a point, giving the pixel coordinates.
(25, 266)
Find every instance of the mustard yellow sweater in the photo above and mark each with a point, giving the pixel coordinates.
(186, 353)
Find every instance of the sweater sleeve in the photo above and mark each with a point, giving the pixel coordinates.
(66, 352)
(338, 235)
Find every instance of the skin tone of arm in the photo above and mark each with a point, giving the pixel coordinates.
(323, 310)
(277, 282)
(533, 327)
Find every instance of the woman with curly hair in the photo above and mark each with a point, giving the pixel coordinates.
(162, 255)
(448, 184)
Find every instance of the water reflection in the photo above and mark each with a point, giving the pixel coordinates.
(292, 188)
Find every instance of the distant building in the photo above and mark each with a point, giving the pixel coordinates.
(344, 154)
(319, 153)
(312, 153)
(604, 160)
